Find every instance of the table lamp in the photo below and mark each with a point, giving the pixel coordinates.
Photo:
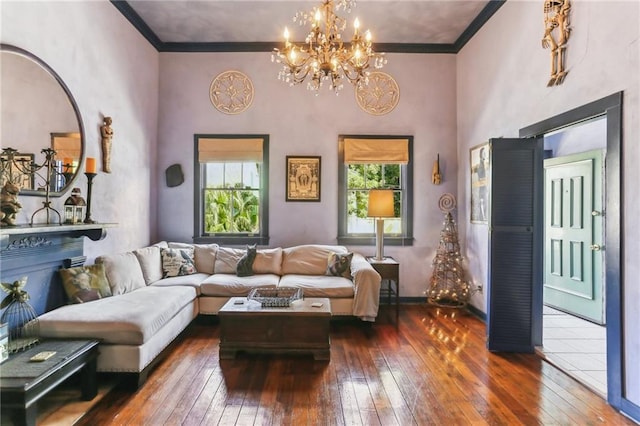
(380, 206)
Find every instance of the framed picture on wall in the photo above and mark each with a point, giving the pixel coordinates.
(479, 160)
(303, 178)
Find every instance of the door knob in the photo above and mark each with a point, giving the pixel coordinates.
(595, 247)
(595, 213)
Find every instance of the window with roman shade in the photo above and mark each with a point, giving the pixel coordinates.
(231, 189)
(373, 162)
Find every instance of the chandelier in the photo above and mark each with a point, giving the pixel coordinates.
(324, 56)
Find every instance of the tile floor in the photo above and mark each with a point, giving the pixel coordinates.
(577, 347)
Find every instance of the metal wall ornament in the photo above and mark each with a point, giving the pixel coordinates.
(556, 34)
(380, 95)
(231, 92)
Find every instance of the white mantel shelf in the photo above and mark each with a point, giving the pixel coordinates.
(93, 231)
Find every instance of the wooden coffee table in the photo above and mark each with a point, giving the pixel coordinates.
(300, 328)
(23, 382)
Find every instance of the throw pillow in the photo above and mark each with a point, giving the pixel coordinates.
(268, 261)
(85, 283)
(177, 262)
(339, 264)
(227, 260)
(244, 268)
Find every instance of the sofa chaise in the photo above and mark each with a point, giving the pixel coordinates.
(158, 290)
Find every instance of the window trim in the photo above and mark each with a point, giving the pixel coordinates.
(406, 239)
(198, 208)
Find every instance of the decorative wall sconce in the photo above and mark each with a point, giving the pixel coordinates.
(556, 34)
(436, 176)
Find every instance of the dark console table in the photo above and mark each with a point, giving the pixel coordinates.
(24, 382)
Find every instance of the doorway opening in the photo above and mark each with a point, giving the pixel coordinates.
(574, 317)
(609, 110)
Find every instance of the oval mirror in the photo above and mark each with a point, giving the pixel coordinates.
(37, 112)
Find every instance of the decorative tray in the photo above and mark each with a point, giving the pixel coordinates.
(275, 297)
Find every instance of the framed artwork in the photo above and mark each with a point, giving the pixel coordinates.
(14, 173)
(480, 172)
(303, 178)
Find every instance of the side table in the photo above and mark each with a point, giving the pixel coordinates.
(23, 382)
(389, 270)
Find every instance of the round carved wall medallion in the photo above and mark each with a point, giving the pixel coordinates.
(231, 92)
(380, 96)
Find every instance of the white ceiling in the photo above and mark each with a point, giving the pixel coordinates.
(217, 21)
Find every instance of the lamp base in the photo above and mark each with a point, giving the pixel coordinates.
(379, 239)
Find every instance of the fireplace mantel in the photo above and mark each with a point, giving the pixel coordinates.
(38, 251)
(10, 235)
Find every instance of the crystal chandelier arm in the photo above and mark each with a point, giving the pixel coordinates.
(323, 54)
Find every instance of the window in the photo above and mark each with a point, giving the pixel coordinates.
(231, 189)
(371, 162)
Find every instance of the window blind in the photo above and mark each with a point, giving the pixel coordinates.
(230, 150)
(379, 151)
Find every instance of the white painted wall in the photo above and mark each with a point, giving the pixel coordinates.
(111, 70)
(300, 123)
(502, 77)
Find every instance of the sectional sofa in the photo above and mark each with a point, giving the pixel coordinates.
(148, 309)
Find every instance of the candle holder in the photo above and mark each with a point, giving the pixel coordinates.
(90, 177)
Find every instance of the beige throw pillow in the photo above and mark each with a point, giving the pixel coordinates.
(150, 263)
(227, 259)
(123, 272)
(268, 261)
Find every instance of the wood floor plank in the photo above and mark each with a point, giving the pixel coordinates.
(432, 368)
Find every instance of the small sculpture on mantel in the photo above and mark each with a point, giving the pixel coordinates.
(556, 34)
(9, 204)
(107, 136)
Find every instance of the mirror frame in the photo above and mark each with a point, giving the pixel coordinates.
(28, 55)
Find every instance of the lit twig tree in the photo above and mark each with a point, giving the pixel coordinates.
(448, 286)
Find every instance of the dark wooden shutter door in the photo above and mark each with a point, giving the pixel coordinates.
(515, 245)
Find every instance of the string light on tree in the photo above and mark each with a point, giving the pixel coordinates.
(448, 286)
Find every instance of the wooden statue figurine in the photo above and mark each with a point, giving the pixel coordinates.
(107, 136)
(556, 34)
(436, 176)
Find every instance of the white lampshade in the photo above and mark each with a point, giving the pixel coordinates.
(380, 203)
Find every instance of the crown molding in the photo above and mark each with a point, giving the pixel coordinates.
(135, 19)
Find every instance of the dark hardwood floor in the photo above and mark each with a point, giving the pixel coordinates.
(432, 369)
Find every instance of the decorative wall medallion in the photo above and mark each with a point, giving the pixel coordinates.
(380, 96)
(231, 92)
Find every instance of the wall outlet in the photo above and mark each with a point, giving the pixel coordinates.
(479, 288)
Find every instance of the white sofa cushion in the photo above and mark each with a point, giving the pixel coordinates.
(319, 286)
(123, 272)
(268, 261)
(150, 263)
(309, 259)
(233, 285)
(204, 255)
(227, 260)
(128, 319)
(193, 280)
